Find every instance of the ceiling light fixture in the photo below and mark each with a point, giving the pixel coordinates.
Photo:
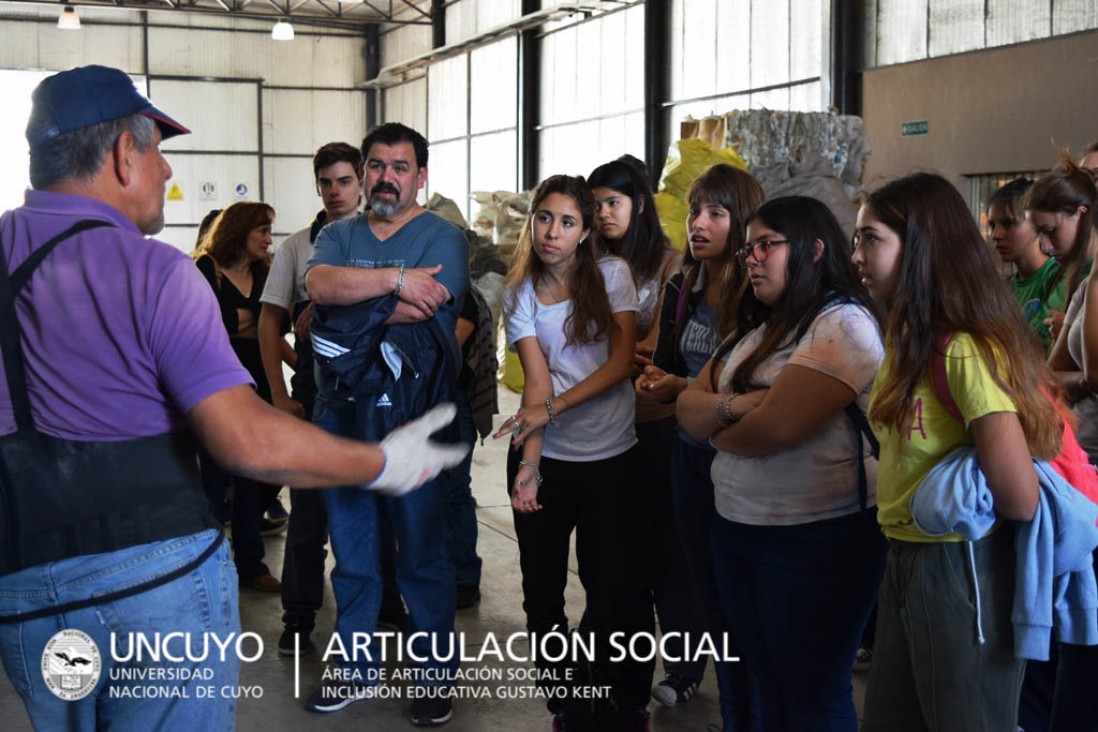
(282, 31)
(68, 20)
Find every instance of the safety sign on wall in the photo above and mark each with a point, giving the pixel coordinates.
(241, 190)
(175, 193)
(208, 190)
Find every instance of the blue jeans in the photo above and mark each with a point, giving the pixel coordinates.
(797, 599)
(692, 491)
(462, 509)
(200, 603)
(425, 574)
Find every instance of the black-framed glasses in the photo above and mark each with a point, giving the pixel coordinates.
(759, 249)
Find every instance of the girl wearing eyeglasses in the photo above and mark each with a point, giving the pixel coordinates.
(1061, 206)
(944, 655)
(697, 312)
(570, 314)
(797, 554)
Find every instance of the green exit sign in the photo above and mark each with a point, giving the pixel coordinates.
(919, 127)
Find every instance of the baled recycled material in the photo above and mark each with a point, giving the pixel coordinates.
(1055, 570)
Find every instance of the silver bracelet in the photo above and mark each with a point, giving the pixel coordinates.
(400, 282)
(552, 412)
(533, 466)
(725, 416)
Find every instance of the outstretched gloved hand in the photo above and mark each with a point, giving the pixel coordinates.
(411, 458)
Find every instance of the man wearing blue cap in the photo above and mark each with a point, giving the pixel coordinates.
(118, 600)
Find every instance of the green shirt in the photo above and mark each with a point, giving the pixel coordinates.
(1043, 291)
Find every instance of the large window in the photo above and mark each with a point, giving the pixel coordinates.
(911, 30)
(746, 54)
(592, 93)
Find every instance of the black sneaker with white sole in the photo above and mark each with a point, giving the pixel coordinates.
(674, 689)
(333, 695)
(431, 711)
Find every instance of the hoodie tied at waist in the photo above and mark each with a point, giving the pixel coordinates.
(1054, 566)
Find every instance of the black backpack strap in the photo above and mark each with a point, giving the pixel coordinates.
(862, 429)
(10, 333)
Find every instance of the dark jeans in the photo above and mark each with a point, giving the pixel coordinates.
(598, 500)
(462, 513)
(672, 588)
(692, 491)
(797, 599)
(1075, 703)
(930, 671)
(357, 524)
(303, 567)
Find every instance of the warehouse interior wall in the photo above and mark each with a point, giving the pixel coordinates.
(997, 110)
(257, 108)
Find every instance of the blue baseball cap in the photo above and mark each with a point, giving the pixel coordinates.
(89, 95)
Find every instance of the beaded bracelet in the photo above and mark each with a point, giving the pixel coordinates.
(725, 415)
(533, 466)
(552, 412)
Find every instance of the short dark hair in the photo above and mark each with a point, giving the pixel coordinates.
(337, 152)
(392, 133)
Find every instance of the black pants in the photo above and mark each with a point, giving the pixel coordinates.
(597, 499)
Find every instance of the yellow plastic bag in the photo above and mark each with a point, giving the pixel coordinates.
(686, 160)
(510, 368)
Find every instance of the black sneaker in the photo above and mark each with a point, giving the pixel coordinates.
(674, 689)
(392, 620)
(299, 633)
(271, 528)
(334, 695)
(277, 512)
(431, 711)
(467, 596)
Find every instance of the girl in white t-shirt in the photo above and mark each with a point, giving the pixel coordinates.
(570, 315)
(798, 557)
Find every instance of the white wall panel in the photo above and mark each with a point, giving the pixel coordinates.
(1069, 16)
(956, 26)
(492, 162)
(292, 192)
(407, 103)
(447, 87)
(1015, 21)
(770, 45)
(404, 43)
(225, 172)
(447, 171)
(901, 31)
(733, 59)
(305, 61)
(493, 89)
(301, 120)
(221, 115)
(45, 46)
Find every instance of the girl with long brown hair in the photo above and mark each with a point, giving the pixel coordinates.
(1061, 207)
(698, 306)
(944, 656)
(570, 314)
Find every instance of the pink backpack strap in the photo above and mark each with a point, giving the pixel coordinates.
(938, 380)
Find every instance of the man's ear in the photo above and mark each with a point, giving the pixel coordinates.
(421, 177)
(123, 151)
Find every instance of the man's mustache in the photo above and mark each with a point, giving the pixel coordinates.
(384, 188)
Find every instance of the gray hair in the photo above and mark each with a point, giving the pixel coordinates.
(79, 154)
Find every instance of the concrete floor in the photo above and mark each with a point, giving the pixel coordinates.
(500, 611)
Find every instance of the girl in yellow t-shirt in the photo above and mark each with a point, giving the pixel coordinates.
(920, 253)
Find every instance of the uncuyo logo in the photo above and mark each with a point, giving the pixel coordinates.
(71, 664)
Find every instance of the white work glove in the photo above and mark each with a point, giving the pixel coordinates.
(412, 458)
